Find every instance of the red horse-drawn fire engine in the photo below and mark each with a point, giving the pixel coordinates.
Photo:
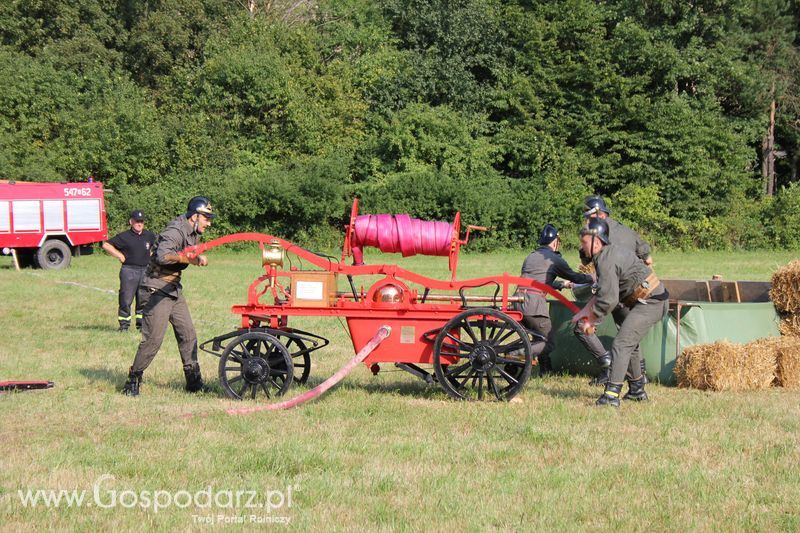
(473, 341)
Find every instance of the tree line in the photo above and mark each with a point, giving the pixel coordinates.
(684, 115)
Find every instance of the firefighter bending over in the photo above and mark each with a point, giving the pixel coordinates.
(543, 265)
(624, 278)
(620, 235)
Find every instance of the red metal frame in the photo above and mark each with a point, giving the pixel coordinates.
(410, 318)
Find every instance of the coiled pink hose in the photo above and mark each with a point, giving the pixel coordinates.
(400, 233)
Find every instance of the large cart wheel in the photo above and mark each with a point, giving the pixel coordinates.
(255, 363)
(301, 359)
(482, 354)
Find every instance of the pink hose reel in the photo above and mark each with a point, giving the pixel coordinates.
(405, 235)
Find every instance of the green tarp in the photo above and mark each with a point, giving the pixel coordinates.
(700, 323)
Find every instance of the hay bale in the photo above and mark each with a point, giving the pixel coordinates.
(785, 291)
(787, 371)
(724, 365)
(790, 325)
(690, 366)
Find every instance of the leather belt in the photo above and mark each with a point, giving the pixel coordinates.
(531, 289)
(644, 290)
(170, 278)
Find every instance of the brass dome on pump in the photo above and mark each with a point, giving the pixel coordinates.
(388, 294)
(272, 254)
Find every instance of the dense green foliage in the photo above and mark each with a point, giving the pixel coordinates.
(509, 111)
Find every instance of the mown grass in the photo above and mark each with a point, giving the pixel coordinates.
(383, 452)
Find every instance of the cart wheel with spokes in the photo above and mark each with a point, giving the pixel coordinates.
(255, 363)
(301, 359)
(482, 354)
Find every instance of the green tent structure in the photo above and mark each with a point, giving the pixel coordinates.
(700, 312)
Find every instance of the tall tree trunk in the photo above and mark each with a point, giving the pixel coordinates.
(768, 149)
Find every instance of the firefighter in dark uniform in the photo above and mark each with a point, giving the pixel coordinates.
(132, 248)
(622, 278)
(544, 265)
(164, 294)
(623, 236)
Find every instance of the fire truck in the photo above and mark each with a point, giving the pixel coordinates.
(45, 224)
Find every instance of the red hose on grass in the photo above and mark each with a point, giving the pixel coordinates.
(379, 337)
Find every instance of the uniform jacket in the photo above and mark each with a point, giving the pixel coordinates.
(544, 265)
(619, 272)
(176, 236)
(622, 235)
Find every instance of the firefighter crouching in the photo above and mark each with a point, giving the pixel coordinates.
(622, 277)
(544, 265)
(622, 236)
(162, 291)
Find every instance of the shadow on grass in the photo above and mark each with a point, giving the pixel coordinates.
(556, 387)
(115, 377)
(417, 389)
(99, 327)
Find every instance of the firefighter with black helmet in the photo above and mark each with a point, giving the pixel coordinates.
(544, 265)
(594, 207)
(622, 279)
(163, 292)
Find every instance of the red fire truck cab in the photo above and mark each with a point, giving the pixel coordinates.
(47, 223)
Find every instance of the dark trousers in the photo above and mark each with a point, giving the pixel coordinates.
(625, 355)
(592, 342)
(130, 277)
(160, 310)
(544, 327)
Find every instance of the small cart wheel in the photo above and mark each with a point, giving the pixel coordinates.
(482, 354)
(255, 363)
(301, 359)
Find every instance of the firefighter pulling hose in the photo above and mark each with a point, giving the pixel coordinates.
(164, 302)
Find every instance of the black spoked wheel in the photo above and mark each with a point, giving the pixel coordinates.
(301, 359)
(482, 354)
(255, 364)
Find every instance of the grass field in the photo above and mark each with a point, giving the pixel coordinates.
(377, 453)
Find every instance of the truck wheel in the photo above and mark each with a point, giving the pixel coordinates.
(53, 255)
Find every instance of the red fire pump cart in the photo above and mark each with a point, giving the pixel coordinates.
(474, 343)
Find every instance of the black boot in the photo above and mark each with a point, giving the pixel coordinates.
(545, 366)
(645, 381)
(194, 380)
(605, 369)
(636, 390)
(131, 387)
(124, 325)
(611, 395)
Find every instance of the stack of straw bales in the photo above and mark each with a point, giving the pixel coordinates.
(759, 364)
(725, 365)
